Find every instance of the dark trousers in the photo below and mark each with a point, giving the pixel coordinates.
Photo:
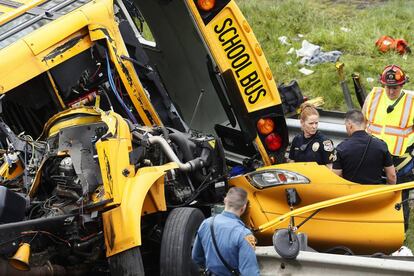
(405, 195)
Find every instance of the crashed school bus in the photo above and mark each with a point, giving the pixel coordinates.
(119, 124)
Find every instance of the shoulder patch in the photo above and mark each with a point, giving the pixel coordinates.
(251, 240)
(328, 145)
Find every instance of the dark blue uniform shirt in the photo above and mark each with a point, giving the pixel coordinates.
(316, 148)
(230, 233)
(349, 154)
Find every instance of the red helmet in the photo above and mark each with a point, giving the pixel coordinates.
(393, 75)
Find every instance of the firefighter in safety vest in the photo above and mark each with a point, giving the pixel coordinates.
(389, 112)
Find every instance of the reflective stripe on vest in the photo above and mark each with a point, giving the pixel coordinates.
(374, 129)
(396, 127)
(374, 104)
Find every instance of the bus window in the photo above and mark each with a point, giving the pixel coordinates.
(141, 30)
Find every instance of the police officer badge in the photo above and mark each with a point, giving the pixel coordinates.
(315, 146)
(328, 145)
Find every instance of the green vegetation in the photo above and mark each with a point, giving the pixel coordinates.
(320, 21)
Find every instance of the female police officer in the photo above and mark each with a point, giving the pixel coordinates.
(311, 145)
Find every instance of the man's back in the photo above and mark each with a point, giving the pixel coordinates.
(232, 240)
(350, 153)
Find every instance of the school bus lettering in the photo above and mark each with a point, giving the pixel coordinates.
(261, 92)
(236, 51)
(248, 79)
(222, 36)
(227, 20)
(240, 60)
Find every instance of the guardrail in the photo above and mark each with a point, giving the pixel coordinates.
(312, 263)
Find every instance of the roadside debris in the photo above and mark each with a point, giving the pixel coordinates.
(370, 80)
(403, 251)
(306, 71)
(386, 43)
(312, 55)
(283, 40)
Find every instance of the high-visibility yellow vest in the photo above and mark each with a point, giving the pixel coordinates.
(394, 128)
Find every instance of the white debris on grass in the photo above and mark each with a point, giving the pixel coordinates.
(283, 40)
(291, 50)
(305, 71)
(311, 54)
(308, 49)
(370, 80)
(346, 30)
(288, 62)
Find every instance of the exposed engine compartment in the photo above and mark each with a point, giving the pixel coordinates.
(52, 176)
(60, 184)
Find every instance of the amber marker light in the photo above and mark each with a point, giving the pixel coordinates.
(265, 126)
(206, 5)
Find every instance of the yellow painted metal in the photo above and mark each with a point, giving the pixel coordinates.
(8, 173)
(36, 181)
(34, 54)
(131, 82)
(262, 151)
(224, 30)
(122, 225)
(52, 82)
(133, 193)
(24, 65)
(351, 213)
(250, 68)
(78, 116)
(19, 11)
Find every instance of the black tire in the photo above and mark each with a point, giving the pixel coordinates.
(287, 248)
(127, 263)
(177, 240)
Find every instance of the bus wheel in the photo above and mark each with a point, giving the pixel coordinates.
(128, 262)
(177, 240)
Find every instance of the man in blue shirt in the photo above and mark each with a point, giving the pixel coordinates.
(235, 242)
(362, 158)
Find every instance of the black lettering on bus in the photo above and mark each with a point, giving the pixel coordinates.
(219, 30)
(252, 88)
(232, 42)
(239, 49)
(238, 70)
(258, 94)
(248, 79)
(222, 35)
(239, 61)
(236, 51)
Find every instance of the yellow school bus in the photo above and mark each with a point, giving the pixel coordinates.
(123, 123)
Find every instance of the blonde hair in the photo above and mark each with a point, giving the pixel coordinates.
(306, 110)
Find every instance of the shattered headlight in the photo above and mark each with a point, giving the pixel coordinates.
(270, 178)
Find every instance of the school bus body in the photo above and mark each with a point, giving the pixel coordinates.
(107, 114)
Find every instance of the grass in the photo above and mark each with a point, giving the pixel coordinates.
(320, 21)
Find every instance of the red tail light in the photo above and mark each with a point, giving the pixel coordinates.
(273, 142)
